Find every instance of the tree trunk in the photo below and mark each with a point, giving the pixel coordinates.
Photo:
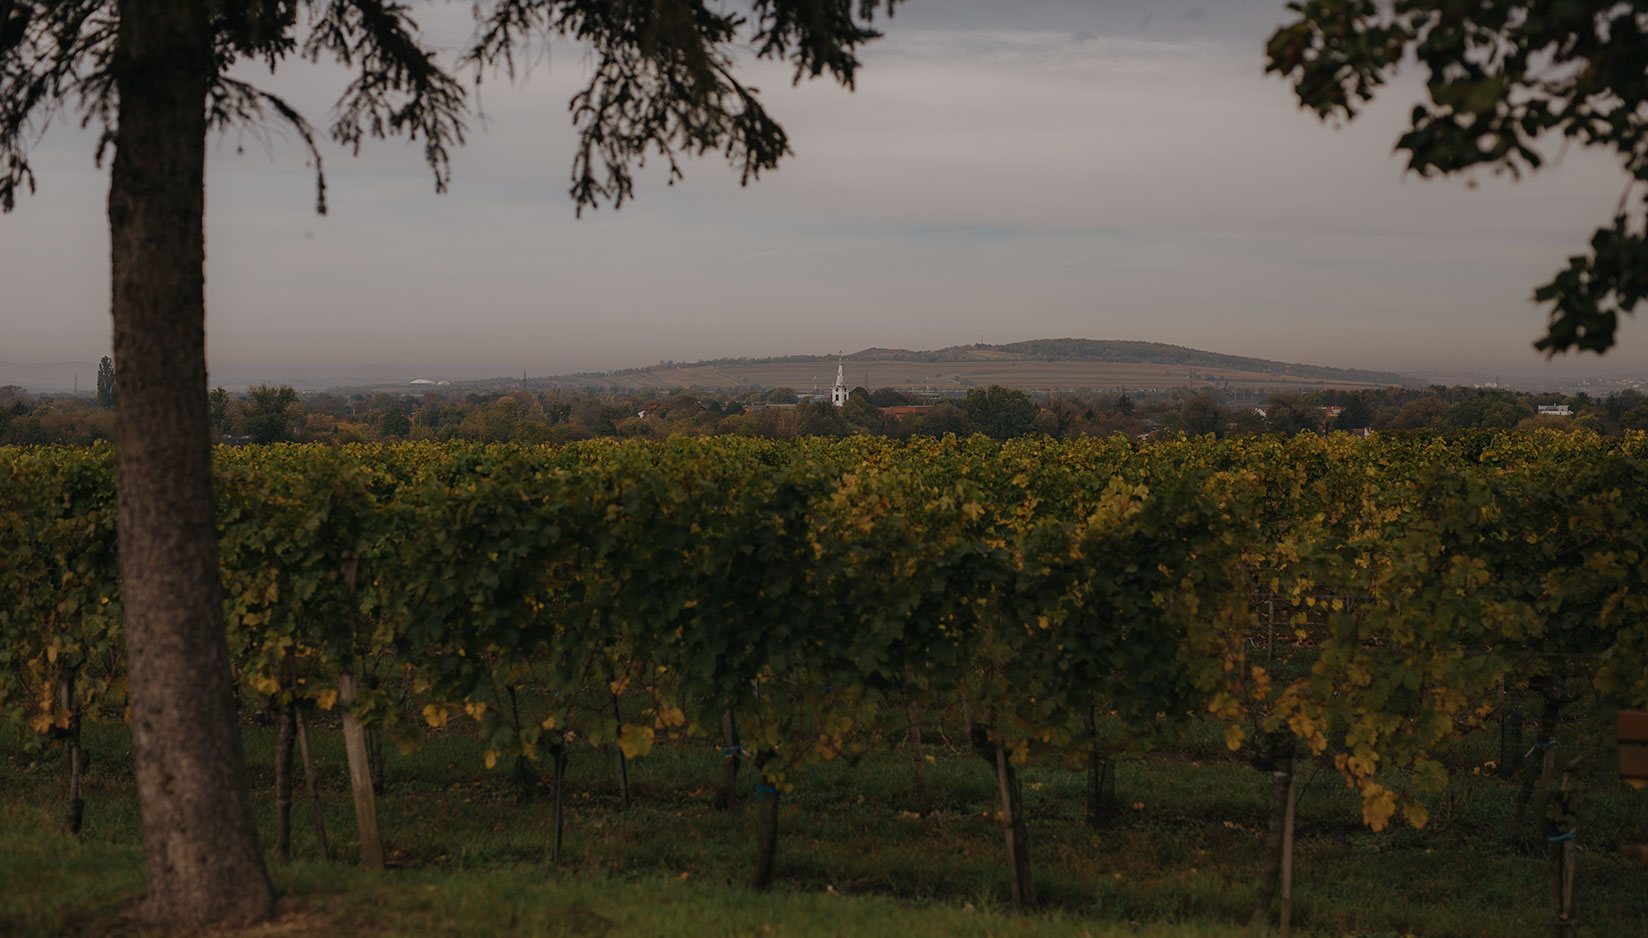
(1099, 771)
(560, 755)
(285, 737)
(727, 797)
(1510, 732)
(374, 758)
(623, 764)
(526, 777)
(766, 832)
(1550, 711)
(203, 860)
(360, 776)
(1558, 827)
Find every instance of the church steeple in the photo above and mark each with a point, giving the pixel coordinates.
(838, 394)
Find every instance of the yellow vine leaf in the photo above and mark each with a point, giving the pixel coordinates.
(671, 716)
(635, 741)
(1234, 737)
(435, 716)
(326, 699)
(1378, 804)
(1416, 814)
(475, 708)
(491, 758)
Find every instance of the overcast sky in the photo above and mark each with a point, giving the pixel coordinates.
(1095, 168)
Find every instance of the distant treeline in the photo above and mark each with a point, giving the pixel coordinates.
(275, 414)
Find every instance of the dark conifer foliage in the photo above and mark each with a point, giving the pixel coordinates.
(663, 84)
(1500, 76)
(105, 383)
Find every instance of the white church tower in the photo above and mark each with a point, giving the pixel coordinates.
(838, 394)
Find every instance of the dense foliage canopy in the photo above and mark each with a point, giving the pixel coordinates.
(1505, 81)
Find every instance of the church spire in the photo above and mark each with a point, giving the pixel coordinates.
(838, 394)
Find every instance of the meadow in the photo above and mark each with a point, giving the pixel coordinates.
(1176, 852)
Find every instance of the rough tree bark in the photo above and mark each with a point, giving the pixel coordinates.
(204, 864)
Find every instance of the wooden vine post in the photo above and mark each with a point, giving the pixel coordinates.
(730, 750)
(285, 740)
(623, 763)
(1561, 855)
(360, 776)
(74, 755)
(309, 779)
(1276, 875)
(1286, 917)
(1510, 731)
(559, 754)
(354, 744)
(1101, 777)
(1012, 825)
(919, 760)
(1012, 816)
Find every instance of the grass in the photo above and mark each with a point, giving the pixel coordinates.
(1179, 858)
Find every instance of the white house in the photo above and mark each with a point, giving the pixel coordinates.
(1555, 410)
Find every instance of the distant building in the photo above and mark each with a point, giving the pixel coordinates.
(1555, 410)
(839, 393)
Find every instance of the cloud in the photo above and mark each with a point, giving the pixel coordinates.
(1065, 169)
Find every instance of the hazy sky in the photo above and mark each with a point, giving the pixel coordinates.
(1103, 169)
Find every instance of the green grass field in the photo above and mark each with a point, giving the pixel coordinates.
(1179, 857)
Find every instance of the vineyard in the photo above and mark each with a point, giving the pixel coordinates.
(785, 611)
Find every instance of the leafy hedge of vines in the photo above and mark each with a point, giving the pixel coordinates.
(806, 586)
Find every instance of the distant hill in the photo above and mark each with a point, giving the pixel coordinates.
(1037, 365)
(1138, 353)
